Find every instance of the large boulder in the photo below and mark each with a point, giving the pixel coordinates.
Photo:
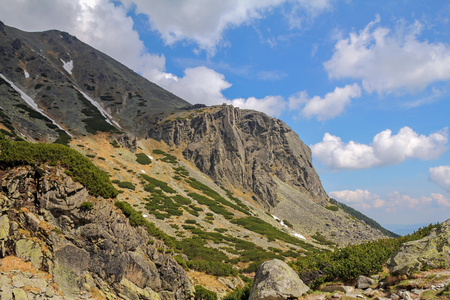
(276, 280)
(433, 251)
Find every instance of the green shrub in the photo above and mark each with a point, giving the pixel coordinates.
(168, 158)
(136, 219)
(87, 205)
(153, 182)
(125, 184)
(143, 159)
(240, 293)
(332, 207)
(202, 293)
(77, 166)
(214, 195)
(350, 262)
(212, 267)
(115, 144)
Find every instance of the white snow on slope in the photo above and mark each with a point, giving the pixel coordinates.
(293, 232)
(298, 235)
(68, 66)
(149, 157)
(27, 75)
(31, 102)
(107, 116)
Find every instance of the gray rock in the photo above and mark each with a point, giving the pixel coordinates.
(19, 294)
(405, 295)
(276, 280)
(430, 252)
(29, 250)
(368, 292)
(364, 282)
(4, 227)
(339, 288)
(395, 297)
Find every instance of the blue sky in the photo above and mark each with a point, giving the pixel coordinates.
(364, 83)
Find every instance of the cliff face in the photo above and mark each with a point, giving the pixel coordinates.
(87, 252)
(242, 148)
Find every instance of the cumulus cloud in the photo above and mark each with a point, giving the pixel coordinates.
(365, 200)
(441, 176)
(204, 85)
(204, 22)
(330, 106)
(360, 199)
(388, 60)
(385, 149)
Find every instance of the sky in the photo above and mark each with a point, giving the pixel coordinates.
(365, 84)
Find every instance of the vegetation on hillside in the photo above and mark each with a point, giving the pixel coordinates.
(350, 262)
(362, 217)
(79, 167)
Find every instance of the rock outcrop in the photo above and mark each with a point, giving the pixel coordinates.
(243, 148)
(85, 251)
(433, 251)
(275, 280)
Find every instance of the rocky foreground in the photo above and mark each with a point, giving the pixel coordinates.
(53, 248)
(276, 280)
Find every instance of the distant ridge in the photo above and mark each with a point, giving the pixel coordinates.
(362, 217)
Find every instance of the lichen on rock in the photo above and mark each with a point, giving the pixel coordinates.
(433, 251)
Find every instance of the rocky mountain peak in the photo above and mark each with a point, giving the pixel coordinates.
(243, 148)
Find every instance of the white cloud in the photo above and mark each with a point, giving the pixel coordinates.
(365, 200)
(385, 149)
(360, 199)
(204, 85)
(271, 105)
(389, 61)
(441, 200)
(441, 176)
(204, 22)
(330, 106)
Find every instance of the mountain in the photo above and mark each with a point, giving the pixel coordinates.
(216, 189)
(360, 216)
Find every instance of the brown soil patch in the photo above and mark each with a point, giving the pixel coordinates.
(10, 263)
(209, 281)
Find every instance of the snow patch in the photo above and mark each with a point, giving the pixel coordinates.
(32, 103)
(68, 66)
(149, 157)
(27, 75)
(108, 117)
(145, 216)
(298, 235)
(142, 171)
(293, 232)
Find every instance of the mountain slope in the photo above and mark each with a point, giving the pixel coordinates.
(360, 216)
(221, 188)
(63, 76)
